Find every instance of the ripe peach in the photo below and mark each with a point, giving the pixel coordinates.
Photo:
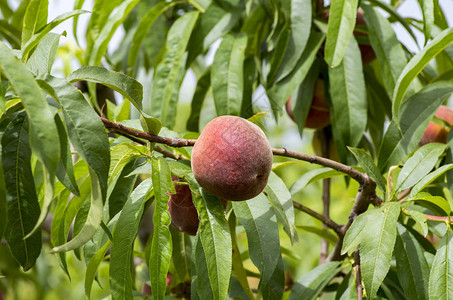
(319, 115)
(436, 133)
(232, 158)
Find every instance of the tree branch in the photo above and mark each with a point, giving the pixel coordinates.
(359, 286)
(326, 221)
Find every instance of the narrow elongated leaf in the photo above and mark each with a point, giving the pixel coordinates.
(77, 5)
(311, 284)
(416, 65)
(102, 9)
(429, 178)
(203, 85)
(436, 200)
(420, 164)
(35, 39)
(312, 176)
(23, 207)
(121, 155)
(93, 220)
(167, 77)
(116, 19)
(162, 247)
(388, 49)
(93, 266)
(376, 247)
(120, 189)
(202, 286)
(214, 23)
(43, 131)
(10, 33)
(428, 18)
(227, 75)
(85, 129)
(215, 238)
(260, 224)
(441, 275)
(416, 112)
(349, 106)
(275, 288)
(123, 84)
(279, 93)
(420, 220)
(124, 235)
(65, 171)
(411, 265)
(42, 59)
(368, 165)
(144, 26)
(281, 201)
(339, 30)
(300, 25)
(35, 17)
(181, 256)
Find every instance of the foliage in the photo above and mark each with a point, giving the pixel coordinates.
(85, 173)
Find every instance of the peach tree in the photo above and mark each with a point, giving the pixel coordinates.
(96, 174)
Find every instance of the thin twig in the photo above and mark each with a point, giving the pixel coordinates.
(327, 221)
(325, 148)
(166, 153)
(359, 286)
(353, 173)
(173, 142)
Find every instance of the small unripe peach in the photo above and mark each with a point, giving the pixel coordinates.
(436, 133)
(232, 158)
(319, 115)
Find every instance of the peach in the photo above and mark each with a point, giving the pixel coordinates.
(437, 133)
(232, 158)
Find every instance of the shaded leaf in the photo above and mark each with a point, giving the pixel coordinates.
(312, 176)
(368, 165)
(441, 275)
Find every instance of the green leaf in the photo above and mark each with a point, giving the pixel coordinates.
(3, 203)
(85, 129)
(436, 200)
(353, 236)
(168, 75)
(102, 9)
(93, 266)
(388, 49)
(124, 235)
(162, 247)
(214, 234)
(429, 178)
(10, 34)
(420, 220)
(35, 39)
(420, 164)
(367, 163)
(349, 103)
(274, 289)
(43, 132)
(120, 189)
(203, 85)
(227, 75)
(376, 247)
(127, 86)
(279, 93)
(310, 285)
(260, 224)
(182, 251)
(415, 115)
(42, 59)
(214, 23)
(202, 284)
(428, 18)
(121, 155)
(341, 24)
(441, 275)
(110, 27)
(77, 5)
(23, 207)
(416, 65)
(144, 26)
(299, 32)
(65, 171)
(34, 19)
(281, 201)
(312, 176)
(411, 265)
(93, 221)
